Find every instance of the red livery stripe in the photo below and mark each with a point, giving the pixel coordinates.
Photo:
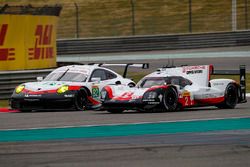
(38, 92)
(93, 101)
(157, 87)
(110, 93)
(212, 100)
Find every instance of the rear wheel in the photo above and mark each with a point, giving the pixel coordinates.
(170, 99)
(231, 97)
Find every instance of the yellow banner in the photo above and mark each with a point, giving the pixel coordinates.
(27, 42)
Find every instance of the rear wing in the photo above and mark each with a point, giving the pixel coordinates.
(138, 65)
(126, 65)
(242, 74)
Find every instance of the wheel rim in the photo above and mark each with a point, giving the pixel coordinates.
(170, 98)
(80, 102)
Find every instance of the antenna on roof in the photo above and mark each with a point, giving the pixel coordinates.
(172, 63)
(166, 66)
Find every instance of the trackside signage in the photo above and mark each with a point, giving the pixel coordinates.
(27, 42)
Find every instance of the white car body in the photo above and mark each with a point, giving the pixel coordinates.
(79, 80)
(191, 84)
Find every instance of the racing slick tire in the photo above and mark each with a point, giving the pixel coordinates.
(115, 111)
(80, 100)
(231, 97)
(170, 99)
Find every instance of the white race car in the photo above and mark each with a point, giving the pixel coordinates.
(75, 86)
(170, 89)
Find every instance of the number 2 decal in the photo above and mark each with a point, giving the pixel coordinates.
(188, 101)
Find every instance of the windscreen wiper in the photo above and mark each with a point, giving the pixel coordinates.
(62, 75)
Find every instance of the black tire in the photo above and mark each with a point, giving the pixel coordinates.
(115, 111)
(231, 97)
(80, 101)
(23, 110)
(170, 99)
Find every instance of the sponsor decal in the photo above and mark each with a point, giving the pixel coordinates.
(6, 54)
(194, 72)
(186, 93)
(218, 84)
(32, 95)
(242, 78)
(69, 95)
(193, 69)
(43, 48)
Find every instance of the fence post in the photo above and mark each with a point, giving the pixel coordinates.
(132, 16)
(246, 14)
(234, 15)
(77, 21)
(190, 16)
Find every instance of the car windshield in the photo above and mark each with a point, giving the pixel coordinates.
(149, 82)
(66, 76)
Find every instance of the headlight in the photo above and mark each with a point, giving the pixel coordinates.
(150, 95)
(63, 89)
(19, 89)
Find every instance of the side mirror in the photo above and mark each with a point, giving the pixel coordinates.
(39, 79)
(97, 80)
(118, 83)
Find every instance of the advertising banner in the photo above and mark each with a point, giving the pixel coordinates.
(27, 42)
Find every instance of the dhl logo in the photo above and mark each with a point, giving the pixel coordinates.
(5, 53)
(43, 48)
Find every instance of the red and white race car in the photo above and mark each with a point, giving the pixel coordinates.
(74, 86)
(170, 89)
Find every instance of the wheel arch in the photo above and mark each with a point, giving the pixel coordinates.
(85, 90)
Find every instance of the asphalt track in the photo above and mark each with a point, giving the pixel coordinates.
(226, 144)
(218, 147)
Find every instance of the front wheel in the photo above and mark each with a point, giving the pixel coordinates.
(170, 99)
(80, 101)
(231, 97)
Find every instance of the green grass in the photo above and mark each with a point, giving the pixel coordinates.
(114, 17)
(4, 103)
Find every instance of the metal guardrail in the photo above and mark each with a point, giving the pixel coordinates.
(147, 43)
(9, 80)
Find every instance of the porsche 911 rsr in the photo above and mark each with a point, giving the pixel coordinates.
(72, 87)
(170, 89)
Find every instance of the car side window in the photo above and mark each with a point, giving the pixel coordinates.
(110, 75)
(184, 82)
(99, 73)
